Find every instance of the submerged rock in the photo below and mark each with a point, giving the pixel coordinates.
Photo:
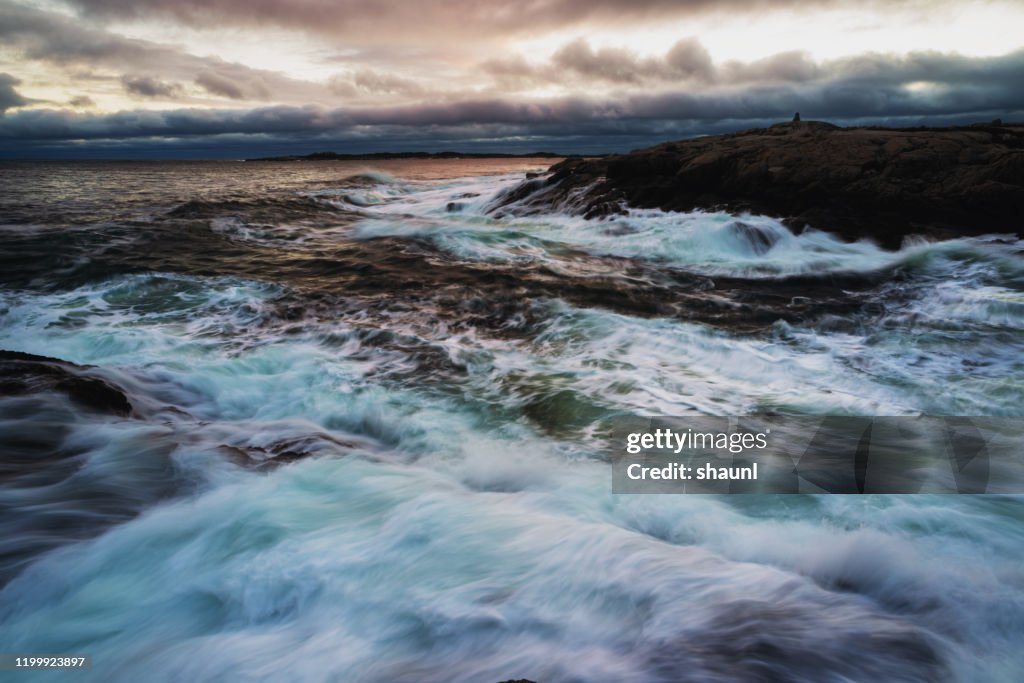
(26, 373)
(290, 449)
(876, 183)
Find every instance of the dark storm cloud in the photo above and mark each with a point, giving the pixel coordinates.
(9, 97)
(468, 20)
(147, 86)
(609, 136)
(629, 97)
(868, 89)
(57, 39)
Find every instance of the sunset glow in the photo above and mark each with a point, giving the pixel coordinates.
(379, 75)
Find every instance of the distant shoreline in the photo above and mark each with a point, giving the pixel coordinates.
(380, 156)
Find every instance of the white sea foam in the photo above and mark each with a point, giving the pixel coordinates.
(715, 243)
(461, 527)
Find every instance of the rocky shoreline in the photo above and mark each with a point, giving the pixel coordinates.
(878, 183)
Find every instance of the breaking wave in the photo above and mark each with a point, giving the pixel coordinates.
(362, 443)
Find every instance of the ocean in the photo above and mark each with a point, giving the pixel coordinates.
(365, 437)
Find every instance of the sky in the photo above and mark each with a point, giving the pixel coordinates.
(245, 78)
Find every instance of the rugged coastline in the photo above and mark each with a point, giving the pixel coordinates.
(314, 397)
(878, 183)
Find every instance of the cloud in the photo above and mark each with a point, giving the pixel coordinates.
(371, 82)
(377, 82)
(81, 102)
(9, 97)
(369, 21)
(689, 59)
(58, 39)
(785, 67)
(215, 84)
(147, 86)
(514, 66)
(688, 62)
(858, 89)
(578, 63)
(416, 92)
(608, 64)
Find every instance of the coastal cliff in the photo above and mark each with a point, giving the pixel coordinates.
(878, 183)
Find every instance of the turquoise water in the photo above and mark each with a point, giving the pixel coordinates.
(444, 513)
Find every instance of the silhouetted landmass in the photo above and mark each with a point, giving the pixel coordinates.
(880, 183)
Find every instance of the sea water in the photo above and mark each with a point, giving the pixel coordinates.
(365, 443)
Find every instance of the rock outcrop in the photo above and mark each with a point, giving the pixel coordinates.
(879, 183)
(26, 373)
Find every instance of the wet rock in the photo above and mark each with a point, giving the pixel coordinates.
(70, 466)
(25, 373)
(759, 239)
(521, 192)
(878, 183)
(289, 449)
(759, 641)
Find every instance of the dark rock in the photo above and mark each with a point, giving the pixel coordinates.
(520, 192)
(290, 449)
(49, 413)
(759, 239)
(878, 183)
(25, 373)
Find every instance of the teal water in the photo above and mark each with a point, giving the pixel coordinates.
(441, 511)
